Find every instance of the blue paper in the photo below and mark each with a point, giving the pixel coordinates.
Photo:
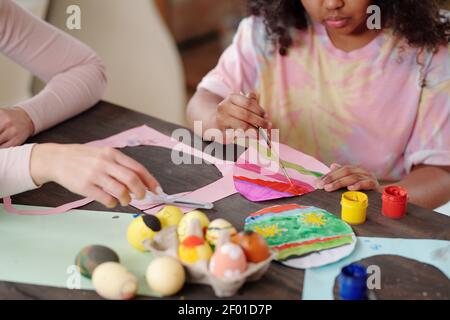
(319, 282)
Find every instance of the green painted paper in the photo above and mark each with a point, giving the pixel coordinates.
(306, 249)
(40, 250)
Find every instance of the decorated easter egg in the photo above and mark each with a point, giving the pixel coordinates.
(228, 262)
(169, 216)
(114, 282)
(142, 228)
(254, 245)
(186, 220)
(216, 227)
(194, 249)
(92, 256)
(165, 275)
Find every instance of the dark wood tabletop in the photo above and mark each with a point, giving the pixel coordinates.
(404, 279)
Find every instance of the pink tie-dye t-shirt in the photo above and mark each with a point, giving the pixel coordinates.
(364, 107)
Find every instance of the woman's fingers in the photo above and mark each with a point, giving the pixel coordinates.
(101, 196)
(146, 177)
(115, 188)
(4, 138)
(128, 179)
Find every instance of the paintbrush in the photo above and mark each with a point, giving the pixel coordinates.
(262, 133)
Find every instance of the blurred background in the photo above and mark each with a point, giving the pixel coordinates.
(156, 51)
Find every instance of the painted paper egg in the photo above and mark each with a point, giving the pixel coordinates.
(228, 262)
(92, 256)
(114, 282)
(216, 227)
(185, 222)
(170, 216)
(142, 228)
(194, 249)
(165, 275)
(254, 245)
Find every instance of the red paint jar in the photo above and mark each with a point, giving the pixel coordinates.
(395, 200)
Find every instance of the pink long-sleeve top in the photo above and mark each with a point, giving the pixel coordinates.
(74, 75)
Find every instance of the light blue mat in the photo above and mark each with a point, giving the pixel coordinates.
(41, 250)
(319, 282)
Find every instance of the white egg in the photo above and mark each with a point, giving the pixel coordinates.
(114, 282)
(165, 275)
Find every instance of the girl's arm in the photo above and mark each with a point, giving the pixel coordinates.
(203, 108)
(74, 74)
(237, 112)
(428, 186)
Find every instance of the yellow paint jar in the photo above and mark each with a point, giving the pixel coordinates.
(354, 206)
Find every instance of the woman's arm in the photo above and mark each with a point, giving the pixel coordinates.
(428, 186)
(103, 174)
(74, 74)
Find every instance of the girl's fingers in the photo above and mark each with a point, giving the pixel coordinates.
(148, 180)
(128, 178)
(247, 116)
(340, 173)
(335, 166)
(342, 183)
(101, 196)
(367, 184)
(250, 104)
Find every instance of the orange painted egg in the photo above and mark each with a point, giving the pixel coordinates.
(254, 245)
(228, 262)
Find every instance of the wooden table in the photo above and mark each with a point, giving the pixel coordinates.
(401, 278)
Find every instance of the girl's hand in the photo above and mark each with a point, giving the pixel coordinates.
(352, 177)
(240, 112)
(15, 127)
(96, 173)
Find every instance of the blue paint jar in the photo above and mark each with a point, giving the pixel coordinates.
(353, 282)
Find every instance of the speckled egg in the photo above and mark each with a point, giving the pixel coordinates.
(114, 282)
(92, 256)
(170, 216)
(228, 262)
(165, 275)
(142, 228)
(194, 249)
(216, 227)
(254, 245)
(186, 221)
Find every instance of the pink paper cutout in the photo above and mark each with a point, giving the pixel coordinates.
(147, 136)
(257, 181)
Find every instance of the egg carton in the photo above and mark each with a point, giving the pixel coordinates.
(165, 243)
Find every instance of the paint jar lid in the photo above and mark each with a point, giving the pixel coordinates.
(395, 194)
(355, 199)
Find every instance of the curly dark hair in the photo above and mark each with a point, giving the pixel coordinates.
(419, 21)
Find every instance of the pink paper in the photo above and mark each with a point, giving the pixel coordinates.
(147, 136)
(258, 177)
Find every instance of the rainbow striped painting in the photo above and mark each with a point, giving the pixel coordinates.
(258, 176)
(294, 231)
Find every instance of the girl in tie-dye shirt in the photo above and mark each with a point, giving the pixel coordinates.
(372, 103)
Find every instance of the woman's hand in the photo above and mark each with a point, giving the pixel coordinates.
(353, 178)
(15, 127)
(96, 173)
(239, 112)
